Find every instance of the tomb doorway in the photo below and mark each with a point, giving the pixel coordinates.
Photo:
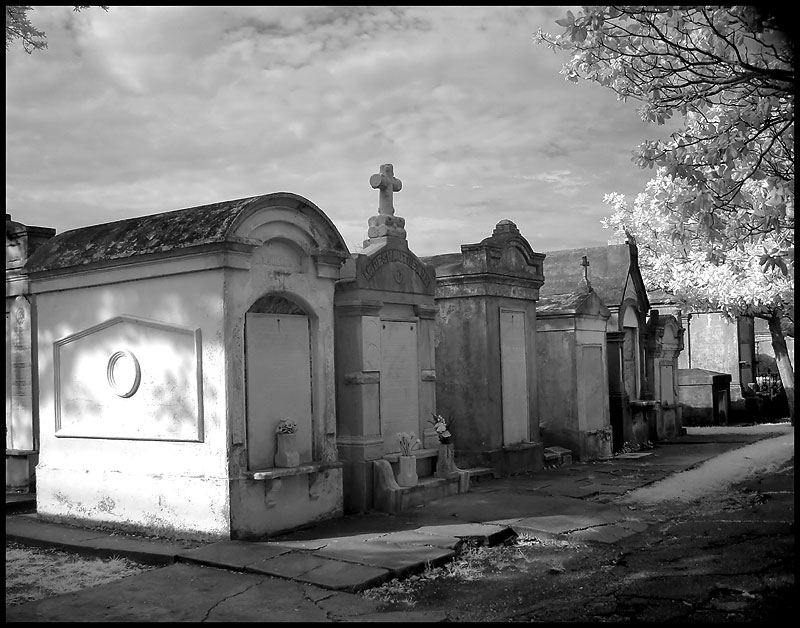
(514, 375)
(630, 354)
(278, 377)
(667, 395)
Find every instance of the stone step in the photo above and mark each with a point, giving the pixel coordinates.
(477, 474)
(390, 497)
(557, 457)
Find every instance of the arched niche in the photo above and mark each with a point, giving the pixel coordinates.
(631, 362)
(279, 376)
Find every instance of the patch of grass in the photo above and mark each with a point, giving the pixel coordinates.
(474, 564)
(36, 573)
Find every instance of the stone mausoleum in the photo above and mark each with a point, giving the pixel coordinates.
(664, 344)
(22, 392)
(613, 273)
(170, 347)
(486, 366)
(385, 365)
(571, 351)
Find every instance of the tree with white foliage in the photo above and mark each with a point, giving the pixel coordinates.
(736, 284)
(715, 227)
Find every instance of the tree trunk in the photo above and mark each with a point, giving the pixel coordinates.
(785, 369)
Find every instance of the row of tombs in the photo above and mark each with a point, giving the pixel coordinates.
(154, 362)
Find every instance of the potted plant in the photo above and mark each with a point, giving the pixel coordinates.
(445, 463)
(441, 427)
(408, 461)
(286, 454)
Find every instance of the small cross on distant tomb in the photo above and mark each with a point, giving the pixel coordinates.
(387, 184)
(585, 279)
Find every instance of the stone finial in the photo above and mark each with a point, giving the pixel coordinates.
(505, 226)
(387, 184)
(585, 279)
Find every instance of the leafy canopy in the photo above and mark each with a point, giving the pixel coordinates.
(729, 72)
(737, 283)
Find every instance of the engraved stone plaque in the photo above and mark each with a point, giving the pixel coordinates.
(129, 378)
(399, 393)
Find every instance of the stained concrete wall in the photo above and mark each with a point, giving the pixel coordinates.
(157, 459)
(704, 397)
(469, 375)
(573, 385)
(713, 345)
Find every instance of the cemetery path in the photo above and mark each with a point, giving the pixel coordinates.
(634, 538)
(718, 474)
(718, 545)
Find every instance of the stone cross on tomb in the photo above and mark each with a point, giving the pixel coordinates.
(585, 278)
(387, 184)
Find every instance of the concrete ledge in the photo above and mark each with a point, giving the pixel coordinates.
(285, 472)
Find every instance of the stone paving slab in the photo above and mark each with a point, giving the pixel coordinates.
(320, 571)
(29, 529)
(484, 533)
(310, 545)
(287, 565)
(232, 554)
(42, 531)
(562, 524)
(397, 558)
(341, 576)
(416, 537)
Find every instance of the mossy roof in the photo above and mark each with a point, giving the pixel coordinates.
(156, 233)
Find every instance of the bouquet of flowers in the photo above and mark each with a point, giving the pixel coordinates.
(408, 443)
(440, 425)
(286, 426)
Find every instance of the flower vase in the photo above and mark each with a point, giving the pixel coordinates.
(445, 464)
(408, 471)
(286, 454)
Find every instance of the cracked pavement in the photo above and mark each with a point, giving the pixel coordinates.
(724, 553)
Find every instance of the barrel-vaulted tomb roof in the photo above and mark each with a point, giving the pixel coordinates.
(169, 231)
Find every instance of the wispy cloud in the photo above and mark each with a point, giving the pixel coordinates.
(145, 109)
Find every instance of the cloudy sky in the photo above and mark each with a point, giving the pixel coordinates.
(140, 110)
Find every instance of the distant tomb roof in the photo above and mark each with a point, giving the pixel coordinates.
(169, 231)
(506, 251)
(565, 272)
